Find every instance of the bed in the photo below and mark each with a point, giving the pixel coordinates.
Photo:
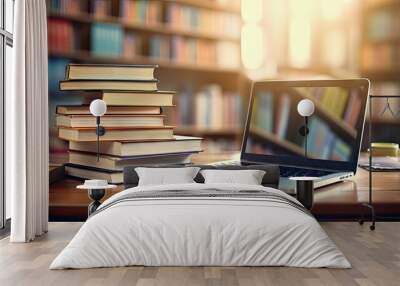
(197, 224)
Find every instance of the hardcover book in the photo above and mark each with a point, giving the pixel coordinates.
(120, 110)
(139, 98)
(117, 134)
(76, 121)
(109, 72)
(118, 163)
(139, 148)
(148, 85)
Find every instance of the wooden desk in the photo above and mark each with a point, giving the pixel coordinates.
(338, 201)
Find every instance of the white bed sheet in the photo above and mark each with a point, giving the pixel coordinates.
(193, 231)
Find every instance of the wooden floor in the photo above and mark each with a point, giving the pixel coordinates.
(375, 257)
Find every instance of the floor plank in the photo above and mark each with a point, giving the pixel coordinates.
(375, 257)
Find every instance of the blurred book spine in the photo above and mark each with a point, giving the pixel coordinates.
(194, 51)
(141, 12)
(381, 51)
(159, 47)
(101, 8)
(60, 35)
(70, 7)
(132, 45)
(106, 39)
(189, 18)
(209, 109)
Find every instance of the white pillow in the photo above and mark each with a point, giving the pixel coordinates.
(164, 176)
(248, 177)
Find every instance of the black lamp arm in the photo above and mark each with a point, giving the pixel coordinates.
(100, 131)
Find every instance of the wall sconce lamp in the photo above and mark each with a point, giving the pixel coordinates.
(305, 108)
(98, 108)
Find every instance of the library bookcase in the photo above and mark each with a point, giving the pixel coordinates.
(195, 43)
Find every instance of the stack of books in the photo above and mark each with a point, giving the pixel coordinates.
(135, 133)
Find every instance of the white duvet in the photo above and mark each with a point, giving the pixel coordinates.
(200, 231)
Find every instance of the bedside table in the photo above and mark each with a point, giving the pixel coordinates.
(96, 190)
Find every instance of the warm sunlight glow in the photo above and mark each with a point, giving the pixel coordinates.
(252, 38)
(252, 11)
(332, 10)
(334, 57)
(252, 46)
(301, 13)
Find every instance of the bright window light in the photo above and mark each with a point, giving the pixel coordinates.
(252, 11)
(301, 13)
(334, 57)
(333, 10)
(252, 42)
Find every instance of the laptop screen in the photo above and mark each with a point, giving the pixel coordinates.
(276, 132)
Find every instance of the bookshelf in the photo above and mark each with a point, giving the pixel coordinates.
(159, 28)
(178, 35)
(211, 4)
(380, 40)
(87, 57)
(380, 61)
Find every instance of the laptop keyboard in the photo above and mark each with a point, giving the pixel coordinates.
(296, 172)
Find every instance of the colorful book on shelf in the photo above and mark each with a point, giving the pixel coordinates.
(194, 51)
(214, 109)
(177, 144)
(132, 45)
(78, 121)
(139, 98)
(106, 39)
(190, 18)
(101, 8)
(56, 72)
(109, 72)
(118, 163)
(116, 134)
(60, 35)
(159, 47)
(147, 85)
(71, 7)
(118, 110)
(141, 11)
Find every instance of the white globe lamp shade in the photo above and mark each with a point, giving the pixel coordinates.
(98, 107)
(305, 107)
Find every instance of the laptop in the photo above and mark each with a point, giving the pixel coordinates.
(273, 133)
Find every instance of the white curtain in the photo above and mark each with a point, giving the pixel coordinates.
(27, 124)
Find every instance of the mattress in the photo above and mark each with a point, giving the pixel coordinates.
(201, 225)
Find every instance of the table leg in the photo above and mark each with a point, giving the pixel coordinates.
(96, 195)
(305, 193)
